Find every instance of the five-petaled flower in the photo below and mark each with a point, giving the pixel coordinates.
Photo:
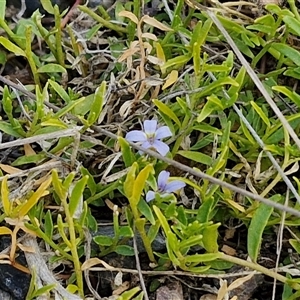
(164, 186)
(150, 137)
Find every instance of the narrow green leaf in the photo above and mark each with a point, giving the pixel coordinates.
(129, 181)
(256, 229)
(288, 51)
(292, 95)
(48, 224)
(11, 47)
(196, 156)
(5, 197)
(167, 111)
(139, 184)
(146, 211)
(103, 240)
(51, 68)
(97, 104)
(125, 250)
(77, 195)
(261, 113)
(210, 238)
(60, 90)
(128, 156)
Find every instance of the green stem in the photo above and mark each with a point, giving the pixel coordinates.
(99, 19)
(30, 59)
(73, 246)
(58, 37)
(256, 267)
(106, 191)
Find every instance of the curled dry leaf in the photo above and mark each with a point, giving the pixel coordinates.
(93, 262)
(129, 15)
(148, 35)
(153, 22)
(10, 169)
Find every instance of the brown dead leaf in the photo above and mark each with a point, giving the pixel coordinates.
(122, 288)
(28, 150)
(238, 282)
(208, 297)
(25, 248)
(9, 169)
(153, 22)
(229, 233)
(171, 291)
(129, 15)
(228, 250)
(94, 261)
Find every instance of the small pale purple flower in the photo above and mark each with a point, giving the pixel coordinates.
(164, 186)
(151, 136)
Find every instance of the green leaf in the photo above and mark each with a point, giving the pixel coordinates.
(60, 91)
(124, 250)
(129, 181)
(127, 155)
(48, 224)
(2, 9)
(205, 211)
(51, 68)
(292, 95)
(77, 195)
(257, 226)
(167, 111)
(288, 51)
(23, 160)
(261, 113)
(295, 244)
(97, 104)
(199, 258)
(11, 47)
(293, 24)
(103, 240)
(125, 231)
(196, 156)
(129, 294)
(43, 290)
(48, 7)
(139, 184)
(91, 184)
(210, 238)
(146, 211)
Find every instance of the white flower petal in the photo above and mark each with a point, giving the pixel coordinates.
(162, 180)
(150, 127)
(163, 132)
(136, 136)
(150, 196)
(161, 147)
(174, 186)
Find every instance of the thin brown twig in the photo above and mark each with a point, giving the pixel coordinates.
(139, 269)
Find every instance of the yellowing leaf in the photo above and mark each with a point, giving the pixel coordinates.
(5, 230)
(11, 46)
(153, 22)
(160, 52)
(172, 78)
(5, 197)
(236, 205)
(34, 198)
(129, 15)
